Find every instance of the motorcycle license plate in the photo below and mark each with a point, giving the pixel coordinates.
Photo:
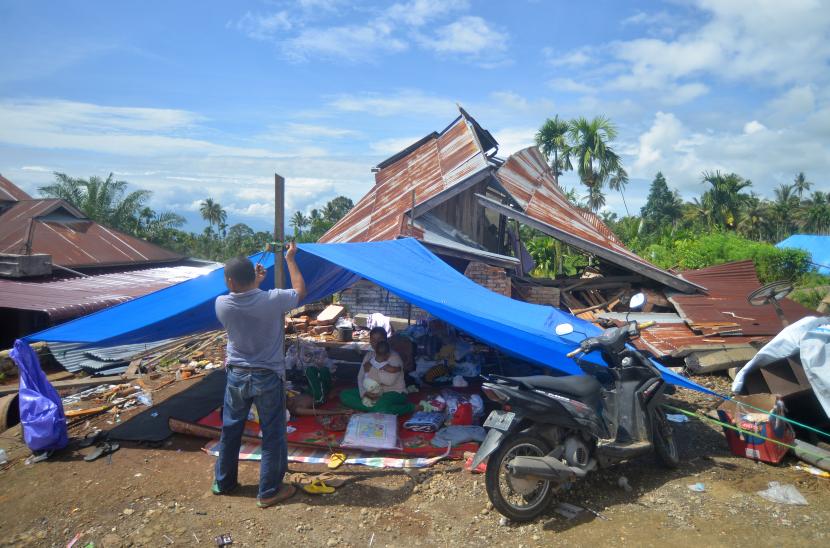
(500, 420)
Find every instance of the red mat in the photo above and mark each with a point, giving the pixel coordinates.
(309, 432)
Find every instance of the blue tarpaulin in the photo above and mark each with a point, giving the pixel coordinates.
(817, 246)
(404, 267)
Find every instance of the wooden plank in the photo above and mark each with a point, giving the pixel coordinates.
(75, 383)
(718, 360)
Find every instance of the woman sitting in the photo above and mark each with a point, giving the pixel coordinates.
(381, 387)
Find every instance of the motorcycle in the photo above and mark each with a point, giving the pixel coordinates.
(552, 431)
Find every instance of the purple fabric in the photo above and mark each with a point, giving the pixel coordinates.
(41, 410)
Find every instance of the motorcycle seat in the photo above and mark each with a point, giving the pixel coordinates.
(579, 386)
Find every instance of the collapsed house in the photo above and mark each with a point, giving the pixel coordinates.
(453, 193)
(56, 264)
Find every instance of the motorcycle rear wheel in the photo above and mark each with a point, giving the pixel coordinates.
(665, 446)
(516, 498)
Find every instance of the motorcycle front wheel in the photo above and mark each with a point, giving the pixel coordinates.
(519, 499)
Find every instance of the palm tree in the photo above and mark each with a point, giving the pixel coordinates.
(298, 222)
(724, 201)
(785, 210)
(552, 139)
(596, 161)
(103, 200)
(213, 213)
(595, 199)
(817, 216)
(800, 184)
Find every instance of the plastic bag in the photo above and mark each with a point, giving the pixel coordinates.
(41, 410)
(783, 494)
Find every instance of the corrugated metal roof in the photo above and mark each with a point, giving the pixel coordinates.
(664, 340)
(59, 229)
(528, 179)
(725, 308)
(70, 298)
(98, 359)
(439, 163)
(10, 192)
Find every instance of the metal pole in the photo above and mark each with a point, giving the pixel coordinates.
(279, 231)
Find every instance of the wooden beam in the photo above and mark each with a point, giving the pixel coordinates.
(628, 263)
(454, 190)
(75, 383)
(718, 360)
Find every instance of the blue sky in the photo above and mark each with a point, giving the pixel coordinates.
(209, 98)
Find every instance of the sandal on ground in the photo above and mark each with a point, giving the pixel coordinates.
(318, 487)
(102, 449)
(285, 493)
(216, 490)
(336, 460)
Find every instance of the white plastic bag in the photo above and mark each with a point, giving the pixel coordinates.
(783, 494)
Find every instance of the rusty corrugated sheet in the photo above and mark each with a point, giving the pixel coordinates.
(725, 308)
(10, 192)
(70, 298)
(665, 340)
(528, 179)
(56, 227)
(440, 162)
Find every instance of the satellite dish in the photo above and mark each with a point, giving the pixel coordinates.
(563, 329)
(638, 301)
(772, 293)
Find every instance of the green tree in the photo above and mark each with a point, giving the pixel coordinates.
(337, 208)
(663, 206)
(213, 213)
(725, 200)
(106, 201)
(801, 184)
(552, 139)
(596, 161)
(785, 210)
(817, 214)
(298, 222)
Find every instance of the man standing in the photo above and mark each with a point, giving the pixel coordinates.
(255, 366)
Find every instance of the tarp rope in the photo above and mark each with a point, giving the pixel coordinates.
(742, 430)
(779, 417)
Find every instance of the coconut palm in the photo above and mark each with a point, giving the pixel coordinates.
(104, 200)
(213, 213)
(595, 199)
(800, 184)
(785, 210)
(298, 222)
(817, 215)
(552, 139)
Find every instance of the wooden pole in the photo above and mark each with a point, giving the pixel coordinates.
(279, 230)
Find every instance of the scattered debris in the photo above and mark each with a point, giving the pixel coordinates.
(697, 487)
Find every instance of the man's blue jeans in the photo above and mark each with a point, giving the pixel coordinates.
(265, 389)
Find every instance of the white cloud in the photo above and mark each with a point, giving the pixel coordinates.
(470, 36)
(753, 127)
(664, 133)
(311, 130)
(574, 58)
(37, 169)
(419, 12)
(571, 85)
(405, 102)
(514, 139)
(263, 26)
(353, 43)
(393, 145)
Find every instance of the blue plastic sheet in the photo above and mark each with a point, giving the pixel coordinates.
(817, 246)
(404, 267)
(41, 410)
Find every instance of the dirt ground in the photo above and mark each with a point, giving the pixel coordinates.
(159, 496)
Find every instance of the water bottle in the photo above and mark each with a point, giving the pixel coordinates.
(3, 458)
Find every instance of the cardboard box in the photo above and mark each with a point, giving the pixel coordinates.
(747, 418)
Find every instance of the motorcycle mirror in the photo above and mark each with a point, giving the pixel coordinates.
(637, 301)
(564, 329)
